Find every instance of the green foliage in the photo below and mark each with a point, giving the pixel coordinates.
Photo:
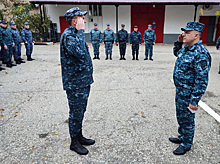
(20, 13)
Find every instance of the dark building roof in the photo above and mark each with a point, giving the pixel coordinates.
(126, 2)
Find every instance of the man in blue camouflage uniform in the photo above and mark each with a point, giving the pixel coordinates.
(1, 29)
(135, 41)
(7, 45)
(217, 48)
(77, 76)
(17, 40)
(109, 39)
(149, 39)
(122, 40)
(96, 39)
(28, 39)
(191, 79)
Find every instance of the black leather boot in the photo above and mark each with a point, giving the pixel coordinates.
(121, 57)
(106, 57)
(98, 57)
(18, 62)
(9, 65)
(133, 57)
(179, 151)
(85, 141)
(77, 147)
(175, 140)
(94, 57)
(110, 56)
(2, 68)
(21, 60)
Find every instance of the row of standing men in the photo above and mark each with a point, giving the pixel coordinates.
(108, 38)
(11, 41)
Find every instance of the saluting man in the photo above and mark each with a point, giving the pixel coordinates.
(122, 40)
(109, 39)
(96, 39)
(149, 40)
(17, 40)
(191, 74)
(28, 39)
(77, 76)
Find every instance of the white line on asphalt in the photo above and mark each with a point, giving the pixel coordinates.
(207, 109)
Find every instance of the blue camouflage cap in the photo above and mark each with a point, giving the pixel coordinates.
(135, 26)
(108, 24)
(74, 12)
(149, 25)
(4, 22)
(0, 21)
(26, 23)
(95, 24)
(12, 23)
(122, 25)
(197, 26)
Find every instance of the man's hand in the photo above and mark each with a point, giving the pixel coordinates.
(217, 48)
(33, 41)
(153, 43)
(13, 45)
(117, 42)
(80, 23)
(180, 38)
(144, 42)
(5, 47)
(26, 42)
(126, 43)
(193, 107)
(140, 44)
(100, 44)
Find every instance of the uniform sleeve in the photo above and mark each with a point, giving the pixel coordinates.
(103, 36)
(131, 38)
(144, 37)
(202, 66)
(100, 37)
(3, 40)
(23, 36)
(218, 43)
(0, 37)
(155, 38)
(76, 46)
(117, 37)
(177, 47)
(114, 36)
(140, 38)
(127, 37)
(90, 36)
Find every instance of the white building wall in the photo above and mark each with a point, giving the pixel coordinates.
(108, 16)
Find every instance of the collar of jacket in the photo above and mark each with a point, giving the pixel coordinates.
(192, 48)
(73, 29)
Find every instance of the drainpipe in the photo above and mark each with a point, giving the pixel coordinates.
(196, 6)
(116, 18)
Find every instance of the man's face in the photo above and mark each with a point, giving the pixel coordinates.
(149, 28)
(4, 25)
(122, 28)
(27, 26)
(95, 27)
(108, 27)
(76, 18)
(190, 36)
(13, 26)
(135, 29)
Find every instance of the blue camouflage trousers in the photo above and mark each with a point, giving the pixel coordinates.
(17, 51)
(77, 106)
(185, 118)
(7, 54)
(148, 47)
(95, 45)
(135, 49)
(122, 48)
(108, 48)
(29, 49)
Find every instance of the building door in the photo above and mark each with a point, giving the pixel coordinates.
(217, 30)
(142, 15)
(63, 24)
(208, 32)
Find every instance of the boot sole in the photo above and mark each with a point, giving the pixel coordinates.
(80, 153)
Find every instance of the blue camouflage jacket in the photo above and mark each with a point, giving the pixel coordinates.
(191, 69)
(76, 63)
(1, 29)
(26, 35)
(108, 35)
(149, 36)
(135, 38)
(122, 36)
(218, 43)
(95, 35)
(16, 35)
(7, 38)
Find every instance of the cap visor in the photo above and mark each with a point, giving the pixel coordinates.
(84, 12)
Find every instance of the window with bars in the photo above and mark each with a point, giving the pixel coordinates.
(95, 10)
